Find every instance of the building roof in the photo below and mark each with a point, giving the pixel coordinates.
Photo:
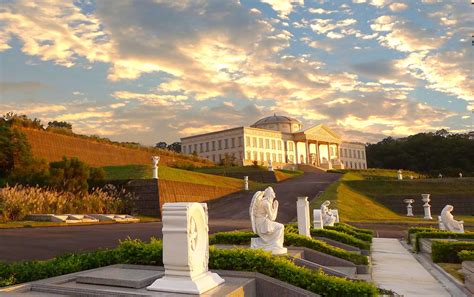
(276, 119)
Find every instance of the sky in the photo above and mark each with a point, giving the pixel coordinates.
(150, 71)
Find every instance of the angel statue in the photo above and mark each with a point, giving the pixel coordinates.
(328, 216)
(263, 212)
(449, 222)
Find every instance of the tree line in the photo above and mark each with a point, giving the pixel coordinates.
(431, 153)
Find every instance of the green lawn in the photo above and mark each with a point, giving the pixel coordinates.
(353, 195)
(220, 170)
(174, 174)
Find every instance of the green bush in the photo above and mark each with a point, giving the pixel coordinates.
(466, 255)
(447, 251)
(138, 252)
(341, 237)
(355, 229)
(414, 230)
(350, 231)
(441, 235)
(291, 239)
(283, 269)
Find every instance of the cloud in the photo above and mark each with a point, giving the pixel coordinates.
(150, 98)
(397, 6)
(84, 115)
(35, 109)
(284, 7)
(203, 129)
(323, 26)
(23, 86)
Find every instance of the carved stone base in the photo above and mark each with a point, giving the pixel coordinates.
(197, 285)
(257, 243)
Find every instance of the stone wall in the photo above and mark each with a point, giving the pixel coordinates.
(174, 191)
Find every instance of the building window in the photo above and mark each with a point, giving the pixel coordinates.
(279, 145)
(255, 156)
(290, 146)
(254, 141)
(232, 143)
(184, 149)
(267, 144)
(226, 143)
(274, 157)
(260, 142)
(219, 146)
(240, 141)
(273, 144)
(207, 146)
(213, 158)
(213, 146)
(280, 158)
(247, 141)
(200, 147)
(262, 157)
(195, 148)
(268, 156)
(351, 164)
(249, 156)
(358, 154)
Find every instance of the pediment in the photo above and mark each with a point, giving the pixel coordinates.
(321, 132)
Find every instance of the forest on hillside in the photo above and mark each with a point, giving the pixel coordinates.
(430, 153)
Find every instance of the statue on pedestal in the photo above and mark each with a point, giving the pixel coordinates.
(327, 214)
(263, 212)
(450, 224)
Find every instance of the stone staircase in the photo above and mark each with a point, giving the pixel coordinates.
(310, 168)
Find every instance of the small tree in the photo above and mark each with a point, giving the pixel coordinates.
(70, 175)
(161, 145)
(60, 124)
(227, 161)
(175, 147)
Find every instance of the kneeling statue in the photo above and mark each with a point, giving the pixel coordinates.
(450, 224)
(327, 214)
(263, 212)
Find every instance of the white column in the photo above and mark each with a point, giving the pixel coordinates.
(302, 209)
(307, 152)
(317, 219)
(296, 153)
(155, 160)
(185, 250)
(318, 157)
(426, 206)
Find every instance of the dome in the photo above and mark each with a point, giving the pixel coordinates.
(279, 123)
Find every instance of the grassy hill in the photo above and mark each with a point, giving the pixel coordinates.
(364, 195)
(52, 146)
(174, 174)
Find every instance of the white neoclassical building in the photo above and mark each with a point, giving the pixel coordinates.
(281, 139)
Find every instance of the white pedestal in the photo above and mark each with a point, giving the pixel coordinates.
(426, 206)
(186, 250)
(258, 243)
(302, 210)
(246, 183)
(317, 219)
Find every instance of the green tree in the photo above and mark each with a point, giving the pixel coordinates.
(60, 124)
(15, 151)
(70, 175)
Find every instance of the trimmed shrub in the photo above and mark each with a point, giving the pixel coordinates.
(291, 239)
(466, 255)
(441, 235)
(357, 234)
(341, 237)
(414, 230)
(358, 230)
(138, 252)
(447, 251)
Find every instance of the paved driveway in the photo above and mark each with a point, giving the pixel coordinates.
(228, 213)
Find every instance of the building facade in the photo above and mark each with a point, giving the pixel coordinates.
(280, 139)
(353, 155)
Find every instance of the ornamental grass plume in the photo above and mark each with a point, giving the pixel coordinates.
(16, 202)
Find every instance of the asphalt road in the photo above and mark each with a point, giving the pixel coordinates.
(228, 213)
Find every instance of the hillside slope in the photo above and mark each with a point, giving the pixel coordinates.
(53, 146)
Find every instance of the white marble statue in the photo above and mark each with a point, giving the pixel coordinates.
(328, 216)
(400, 174)
(263, 212)
(155, 160)
(450, 224)
(270, 165)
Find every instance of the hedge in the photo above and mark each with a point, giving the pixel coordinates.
(341, 237)
(441, 235)
(466, 255)
(291, 239)
(358, 230)
(414, 230)
(138, 252)
(447, 251)
(351, 231)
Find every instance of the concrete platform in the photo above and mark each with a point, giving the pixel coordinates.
(396, 269)
(105, 281)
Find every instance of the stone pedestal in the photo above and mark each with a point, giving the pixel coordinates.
(409, 207)
(155, 160)
(426, 206)
(246, 183)
(399, 175)
(270, 165)
(335, 212)
(302, 209)
(317, 219)
(185, 250)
